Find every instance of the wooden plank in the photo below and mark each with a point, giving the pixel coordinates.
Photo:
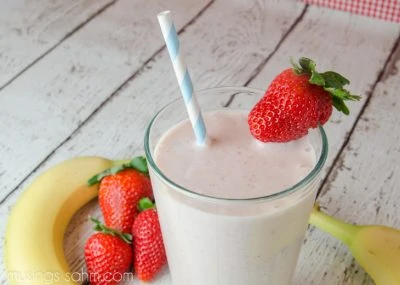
(224, 46)
(55, 96)
(363, 186)
(29, 29)
(218, 52)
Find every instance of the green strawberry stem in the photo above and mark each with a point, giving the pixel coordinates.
(99, 227)
(145, 204)
(330, 81)
(139, 163)
(337, 228)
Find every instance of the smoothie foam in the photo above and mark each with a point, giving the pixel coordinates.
(234, 164)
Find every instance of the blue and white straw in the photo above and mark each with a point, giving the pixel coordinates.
(182, 74)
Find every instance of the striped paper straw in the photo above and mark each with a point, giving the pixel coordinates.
(182, 74)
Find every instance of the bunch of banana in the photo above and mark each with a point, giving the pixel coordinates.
(376, 248)
(35, 231)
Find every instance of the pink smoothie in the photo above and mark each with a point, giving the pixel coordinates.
(234, 164)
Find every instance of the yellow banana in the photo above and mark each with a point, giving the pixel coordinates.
(376, 248)
(34, 252)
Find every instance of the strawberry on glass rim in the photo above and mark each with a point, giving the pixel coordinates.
(298, 99)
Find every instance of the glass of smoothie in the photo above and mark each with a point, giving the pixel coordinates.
(235, 211)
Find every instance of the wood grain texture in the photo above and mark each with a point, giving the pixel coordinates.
(41, 109)
(28, 29)
(223, 46)
(364, 185)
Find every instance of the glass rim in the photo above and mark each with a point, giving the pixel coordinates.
(292, 189)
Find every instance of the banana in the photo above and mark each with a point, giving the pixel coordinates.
(34, 252)
(376, 248)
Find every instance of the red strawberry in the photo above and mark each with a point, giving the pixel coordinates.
(298, 99)
(108, 255)
(149, 251)
(119, 195)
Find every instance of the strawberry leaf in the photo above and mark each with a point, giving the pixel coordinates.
(116, 169)
(296, 68)
(340, 105)
(138, 163)
(307, 64)
(99, 227)
(342, 94)
(330, 81)
(334, 80)
(145, 203)
(316, 79)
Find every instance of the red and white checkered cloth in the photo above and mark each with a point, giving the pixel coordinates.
(388, 10)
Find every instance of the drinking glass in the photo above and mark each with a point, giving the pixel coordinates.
(217, 241)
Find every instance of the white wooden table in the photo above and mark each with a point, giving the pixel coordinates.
(84, 77)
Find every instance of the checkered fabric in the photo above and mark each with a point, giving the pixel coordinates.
(388, 10)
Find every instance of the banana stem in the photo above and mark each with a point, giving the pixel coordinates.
(337, 228)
